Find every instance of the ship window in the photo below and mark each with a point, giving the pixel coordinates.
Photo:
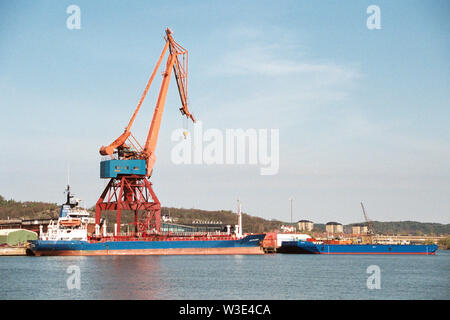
(118, 167)
(135, 168)
(127, 167)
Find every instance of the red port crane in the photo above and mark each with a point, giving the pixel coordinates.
(131, 164)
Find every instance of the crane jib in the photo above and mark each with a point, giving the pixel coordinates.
(128, 154)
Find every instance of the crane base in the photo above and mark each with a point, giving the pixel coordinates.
(131, 193)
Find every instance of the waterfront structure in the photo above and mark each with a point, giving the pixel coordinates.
(29, 224)
(13, 237)
(334, 227)
(305, 225)
(287, 228)
(359, 230)
(203, 227)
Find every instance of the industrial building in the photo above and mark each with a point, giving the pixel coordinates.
(29, 224)
(13, 237)
(204, 227)
(305, 225)
(287, 228)
(359, 229)
(334, 227)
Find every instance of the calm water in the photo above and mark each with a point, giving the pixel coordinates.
(226, 277)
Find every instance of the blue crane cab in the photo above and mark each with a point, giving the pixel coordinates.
(113, 168)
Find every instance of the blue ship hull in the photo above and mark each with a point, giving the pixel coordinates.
(247, 245)
(306, 247)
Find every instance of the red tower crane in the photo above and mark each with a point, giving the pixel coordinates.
(131, 164)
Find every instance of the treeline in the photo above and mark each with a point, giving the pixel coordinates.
(32, 210)
(409, 228)
(10, 209)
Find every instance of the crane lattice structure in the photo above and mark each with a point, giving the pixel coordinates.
(131, 164)
(370, 227)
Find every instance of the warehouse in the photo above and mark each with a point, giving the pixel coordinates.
(12, 237)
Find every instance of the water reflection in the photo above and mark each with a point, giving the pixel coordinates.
(124, 277)
(226, 277)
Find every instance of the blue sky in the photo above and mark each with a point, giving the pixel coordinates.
(363, 114)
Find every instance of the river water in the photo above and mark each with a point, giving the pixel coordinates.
(275, 276)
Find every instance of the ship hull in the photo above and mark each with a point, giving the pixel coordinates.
(247, 245)
(304, 247)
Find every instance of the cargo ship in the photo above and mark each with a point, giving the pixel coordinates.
(249, 244)
(310, 247)
(70, 236)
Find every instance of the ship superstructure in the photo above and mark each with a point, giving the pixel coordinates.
(72, 223)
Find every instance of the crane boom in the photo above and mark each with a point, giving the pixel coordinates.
(120, 141)
(123, 145)
(180, 71)
(370, 227)
(152, 138)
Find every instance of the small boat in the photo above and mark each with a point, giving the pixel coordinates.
(71, 223)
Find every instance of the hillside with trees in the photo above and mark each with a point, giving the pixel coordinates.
(409, 228)
(11, 209)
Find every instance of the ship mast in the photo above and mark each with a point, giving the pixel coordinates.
(239, 226)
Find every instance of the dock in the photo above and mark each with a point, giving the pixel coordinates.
(13, 251)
